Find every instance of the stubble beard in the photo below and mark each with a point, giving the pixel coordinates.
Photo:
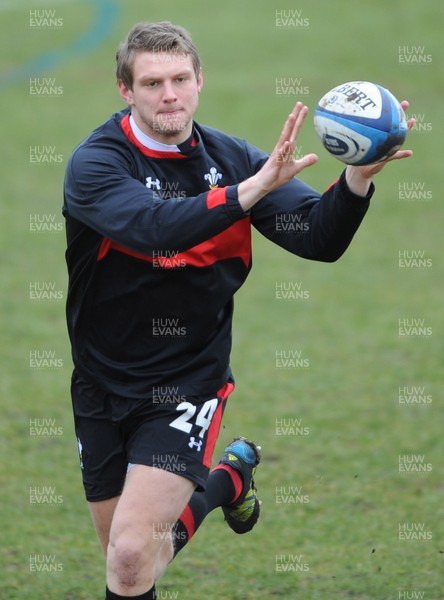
(169, 128)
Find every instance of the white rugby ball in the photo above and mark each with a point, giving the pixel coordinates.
(360, 123)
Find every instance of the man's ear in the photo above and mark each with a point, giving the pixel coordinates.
(200, 81)
(125, 93)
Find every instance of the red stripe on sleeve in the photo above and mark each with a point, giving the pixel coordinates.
(216, 197)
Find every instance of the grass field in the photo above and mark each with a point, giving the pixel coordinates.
(352, 474)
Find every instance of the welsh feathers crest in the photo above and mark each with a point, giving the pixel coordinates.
(213, 177)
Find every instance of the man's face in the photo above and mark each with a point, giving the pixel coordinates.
(165, 95)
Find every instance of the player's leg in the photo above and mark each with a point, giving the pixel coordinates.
(230, 486)
(102, 515)
(169, 448)
(150, 504)
(102, 454)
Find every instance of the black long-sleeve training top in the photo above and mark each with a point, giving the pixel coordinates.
(157, 245)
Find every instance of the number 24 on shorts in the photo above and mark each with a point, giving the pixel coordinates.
(203, 418)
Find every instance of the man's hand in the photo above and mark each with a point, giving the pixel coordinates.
(360, 178)
(281, 166)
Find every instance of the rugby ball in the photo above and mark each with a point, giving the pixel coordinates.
(360, 123)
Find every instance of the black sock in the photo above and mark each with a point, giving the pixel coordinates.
(220, 491)
(149, 595)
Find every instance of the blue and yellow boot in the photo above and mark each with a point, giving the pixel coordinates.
(244, 456)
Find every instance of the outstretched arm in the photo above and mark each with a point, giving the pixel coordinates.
(298, 218)
(282, 166)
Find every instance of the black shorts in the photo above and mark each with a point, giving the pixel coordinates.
(168, 432)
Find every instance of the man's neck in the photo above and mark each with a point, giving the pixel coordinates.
(150, 142)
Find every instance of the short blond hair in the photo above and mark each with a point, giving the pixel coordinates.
(154, 37)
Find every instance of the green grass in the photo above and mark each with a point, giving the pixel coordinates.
(346, 401)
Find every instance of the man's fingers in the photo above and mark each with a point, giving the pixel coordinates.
(307, 160)
(371, 170)
(300, 112)
(286, 131)
(292, 125)
(401, 154)
(284, 151)
(297, 165)
(411, 122)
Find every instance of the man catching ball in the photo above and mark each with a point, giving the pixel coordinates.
(159, 211)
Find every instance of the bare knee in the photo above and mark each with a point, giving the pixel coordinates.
(140, 539)
(131, 560)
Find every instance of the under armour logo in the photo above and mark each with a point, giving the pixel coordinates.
(152, 183)
(193, 443)
(213, 177)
